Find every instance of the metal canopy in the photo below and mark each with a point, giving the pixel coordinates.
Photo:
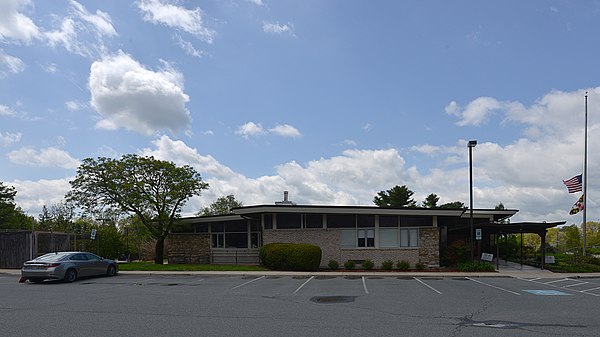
(539, 228)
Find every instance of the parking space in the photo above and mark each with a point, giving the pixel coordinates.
(319, 305)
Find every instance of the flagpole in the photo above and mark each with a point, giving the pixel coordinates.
(585, 176)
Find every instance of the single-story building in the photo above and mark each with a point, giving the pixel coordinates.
(343, 232)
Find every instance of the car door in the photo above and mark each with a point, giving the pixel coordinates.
(81, 263)
(96, 264)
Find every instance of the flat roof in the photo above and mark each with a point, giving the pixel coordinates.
(247, 210)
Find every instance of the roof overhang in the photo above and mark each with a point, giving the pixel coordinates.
(212, 218)
(520, 227)
(250, 210)
(496, 214)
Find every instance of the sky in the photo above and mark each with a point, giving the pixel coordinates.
(332, 101)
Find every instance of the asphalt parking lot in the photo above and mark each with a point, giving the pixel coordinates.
(198, 305)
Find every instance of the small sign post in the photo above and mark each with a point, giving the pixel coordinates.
(478, 233)
(93, 234)
(487, 257)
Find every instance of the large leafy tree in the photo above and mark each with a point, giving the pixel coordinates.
(153, 190)
(11, 215)
(397, 196)
(221, 206)
(431, 201)
(453, 204)
(7, 203)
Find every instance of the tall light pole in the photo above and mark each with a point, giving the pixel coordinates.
(471, 145)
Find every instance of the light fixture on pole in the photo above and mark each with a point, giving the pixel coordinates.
(471, 145)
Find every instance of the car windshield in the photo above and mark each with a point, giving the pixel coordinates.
(52, 257)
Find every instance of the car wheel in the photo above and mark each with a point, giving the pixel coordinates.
(36, 280)
(111, 271)
(70, 275)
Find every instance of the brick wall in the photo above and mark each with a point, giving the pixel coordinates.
(429, 246)
(329, 241)
(189, 248)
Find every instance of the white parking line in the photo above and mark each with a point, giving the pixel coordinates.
(555, 281)
(243, 284)
(365, 285)
(591, 289)
(575, 285)
(569, 289)
(427, 285)
(303, 284)
(493, 286)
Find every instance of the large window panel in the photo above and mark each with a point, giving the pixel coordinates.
(289, 221)
(313, 220)
(365, 220)
(416, 221)
(388, 238)
(366, 238)
(388, 221)
(341, 221)
(236, 240)
(348, 238)
(414, 237)
(404, 238)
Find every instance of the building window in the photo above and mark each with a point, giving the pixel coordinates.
(313, 221)
(366, 238)
(341, 221)
(416, 221)
(268, 221)
(289, 221)
(395, 238)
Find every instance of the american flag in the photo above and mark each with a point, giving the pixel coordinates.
(574, 184)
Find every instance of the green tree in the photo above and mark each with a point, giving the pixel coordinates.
(572, 238)
(154, 190)
(431, 201)
(221, 206)
(397, 196)
(7, 205)
(454, 204)
(499, 207)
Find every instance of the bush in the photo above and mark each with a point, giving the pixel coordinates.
(368, 265)
(475, 266)
(290, 256)
(387, 265)
(420, 265)
(349, 264)
(458, 252)
(403, 265)
(333, 264)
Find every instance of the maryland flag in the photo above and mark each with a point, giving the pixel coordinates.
(578, 206)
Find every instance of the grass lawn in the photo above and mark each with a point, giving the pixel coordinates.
(150, 266)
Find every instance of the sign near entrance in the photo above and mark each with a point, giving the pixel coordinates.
(487, 257)
(93, 234)
(550, 259)
(478, 233)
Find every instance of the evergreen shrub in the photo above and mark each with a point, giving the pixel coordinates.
(290, 256)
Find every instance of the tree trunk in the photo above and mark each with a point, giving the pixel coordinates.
(159, 251)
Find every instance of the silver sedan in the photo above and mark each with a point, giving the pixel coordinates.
(67, 266)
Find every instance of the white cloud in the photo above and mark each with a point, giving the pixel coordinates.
(7, 111)
(7, 138)
(12, 64)
(74, 105)
(127, 95)
(250, 129)
(367, 127)
(277, 28)
(285, 130)
(188, 47)
(169, 14)
(14, 25)
(32, 195)
(49, 68)
(476, 112)
(48, 157)
(82, 33)
(256, 2)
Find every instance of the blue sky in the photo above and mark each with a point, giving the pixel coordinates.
(330, 100)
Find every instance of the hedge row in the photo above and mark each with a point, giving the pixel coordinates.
(290, 256)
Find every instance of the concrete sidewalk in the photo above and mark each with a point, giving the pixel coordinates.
(508, 270)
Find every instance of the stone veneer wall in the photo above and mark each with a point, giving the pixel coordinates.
(429, 246)
(329, 241)
(189, 248)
